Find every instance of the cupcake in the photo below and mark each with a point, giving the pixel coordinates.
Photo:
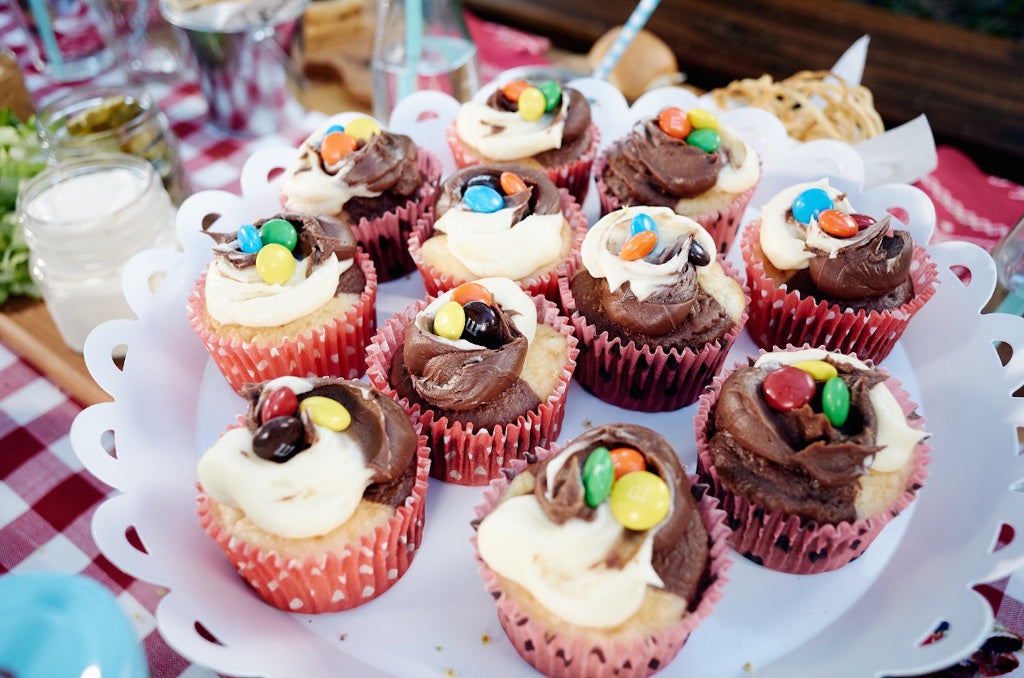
(602, 557)
(820, 273)
(687, 161)
(317, 497)
(484, 369)
(506, 221)
(378, 182)
(542, 125)
(811, 453)
(653, 307)
(288, 295)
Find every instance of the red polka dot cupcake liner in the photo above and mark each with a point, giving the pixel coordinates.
(462, 454)
(723, 224)
(643, 378)
(558, 652)
(573, 176)
(333, 581)
(779, 317)
(336, 349)
(786, 542)
(545, 285)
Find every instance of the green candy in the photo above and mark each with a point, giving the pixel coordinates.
(835, 401)
(280, 232)
(706, 140)
(598, 476)
(552, 95)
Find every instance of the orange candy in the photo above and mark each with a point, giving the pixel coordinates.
(467, 292)
(639, 245)
(336, 146)
(626, 460)
(511, 183)
(513, 89)
(838, 224)
(674, 122)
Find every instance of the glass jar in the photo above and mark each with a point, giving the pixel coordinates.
(83, 220)
(90, 120)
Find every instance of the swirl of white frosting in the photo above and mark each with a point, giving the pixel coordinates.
(506, 135)
(741, 176)
(896, 438)
(311, 494)
(308, 189)
(783, 239)
(239, 296)
(491, 245)
(605, 239)
(516, 304)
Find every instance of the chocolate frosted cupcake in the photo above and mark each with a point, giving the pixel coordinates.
(317, 498)
(378, 182)
(287, 295)
(602, 557)
(505, 221)
(543, 126)
(812, 453)
(654, 309)
(483, 369)
(687, 161)
(822, 274)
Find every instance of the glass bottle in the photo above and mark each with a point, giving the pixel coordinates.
(421, 45)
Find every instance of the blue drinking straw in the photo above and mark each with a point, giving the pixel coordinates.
(45, 28)
(633, 25)
(413, 47)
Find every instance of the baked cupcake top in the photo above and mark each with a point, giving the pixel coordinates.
(281, 268)
(501, 220)
(544, 122)
(653, 274)
(797, 430)
(309, 452)
(587, 531)
(847, 256)
(679, 155)
(358, 168)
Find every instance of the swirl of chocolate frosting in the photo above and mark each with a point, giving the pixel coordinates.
(652, 168)
(576, 115)
(873, 264)
(456, 379)
(541, 196)
(386, 162)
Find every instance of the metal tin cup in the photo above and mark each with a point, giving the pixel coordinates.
(242, 59)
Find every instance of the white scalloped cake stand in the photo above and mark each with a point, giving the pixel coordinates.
(868, 619)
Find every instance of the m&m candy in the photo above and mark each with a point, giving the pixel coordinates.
(471, 291)
(531, 104)
(336, 146)
(481, 325)
(702, 119)
(640, 500)
(598, 476)
(513, 89)
(278, 439)
(706, 139)
(450, 321)
(552, 95)
(483, 199)
(809, 204)
(639, 246)
(281, 402)
(698, 255)
(837, 224)
(835, 401)
(787, 388)
(279, 231)
(249, 239)
(327, 412)
(818, 369)
(642, 222)
(361, 129)
(275, 264)
(511, 183)
(674, 122)
(626, 460)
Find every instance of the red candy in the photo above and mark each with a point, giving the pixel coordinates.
(674, 122)
(513, 89)
(863, 220)
(639, 245)
(838, 224)
(788, 388)
(281, 402)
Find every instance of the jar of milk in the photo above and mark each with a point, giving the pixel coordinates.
(83, 220)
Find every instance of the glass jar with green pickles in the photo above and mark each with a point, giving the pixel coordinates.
(90, 120)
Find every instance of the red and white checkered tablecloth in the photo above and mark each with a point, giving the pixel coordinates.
(47, 499)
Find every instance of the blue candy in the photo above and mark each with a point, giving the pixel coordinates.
(334, 128)
(483, 199)
(249, 239)
(642, 222)
(809, 204)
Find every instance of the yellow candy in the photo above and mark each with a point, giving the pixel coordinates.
(275, 264)
(450, 321)
(818, 369)
(640, 500)
(362, 128)
(531, 104)
(327, 412)
(699, 119)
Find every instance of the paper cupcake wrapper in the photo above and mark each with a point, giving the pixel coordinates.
(461, 453)
(333, 581)
(785, 542)
(385, 237)
(337, 349)
(546, 285)
(779, 317)
(643, 378)
(573, 176)
(722, 224)
(557, 653)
